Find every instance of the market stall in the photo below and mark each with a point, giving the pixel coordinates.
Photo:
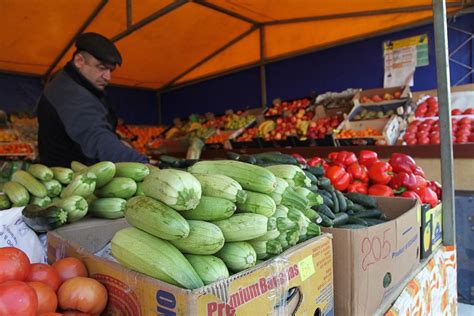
(258, 230)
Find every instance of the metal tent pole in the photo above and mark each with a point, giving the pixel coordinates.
(444, 99)
(263, 77)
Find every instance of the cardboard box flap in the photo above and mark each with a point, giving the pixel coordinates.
(398, 209)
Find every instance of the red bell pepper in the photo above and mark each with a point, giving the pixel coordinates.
(436, 187)
(381, 190)
(342, 158)
(411, 195)
(358, 172)
(420, 183)
(318, 162)
(428, 196)
(402, 163)
(367, 157)
(403, 181)
(299, 158)
(380, 172)
(358, 187)
(419, 172)
(340, 179)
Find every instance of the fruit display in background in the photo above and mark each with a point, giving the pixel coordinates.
(376, 98)
(278, 107)
(7, 135)
(348, 133)
(367, 114)
(423, 132)
(15, 149)
(430, 108)
(145, 134)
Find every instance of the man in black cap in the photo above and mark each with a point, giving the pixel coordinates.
(75, 120)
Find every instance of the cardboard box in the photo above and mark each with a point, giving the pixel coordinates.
(431, 231)
(399, 108)
(405, 95)
(389, 128)
(298, 282)
(370, 262)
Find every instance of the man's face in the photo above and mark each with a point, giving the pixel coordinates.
(95, 71)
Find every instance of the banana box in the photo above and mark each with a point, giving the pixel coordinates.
(431, 229)
(297, 282)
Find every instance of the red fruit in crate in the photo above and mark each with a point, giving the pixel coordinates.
(423, 140)
(471, 138)
(468, 111)
(431, 114)
(397, 94)
(412, 141)
(462, 139)
(465, 121)
(421, 110)
(432, 100)
(434, 140)
(456, 112)
(377, 98)
(412, 128)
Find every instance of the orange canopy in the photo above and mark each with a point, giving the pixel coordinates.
(165, 42)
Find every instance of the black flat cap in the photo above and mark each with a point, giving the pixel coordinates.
(100, 47)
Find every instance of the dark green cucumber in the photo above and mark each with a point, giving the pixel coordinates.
(362, 199)
(327, 200)
(357, 207)
(341, 219)
(172, 161)
(342, 201)
(357, 220)
(42, 220)
(232, 156)
(311, 176)
(248, 159)
(335, 200)
(278, 158)
(313, 188)
(324, 209)
(317, 171)
(349, 204)
(325, 221)
(373, 213)
(352, 226)
(350, 212)
(374, 221)
(325, 183)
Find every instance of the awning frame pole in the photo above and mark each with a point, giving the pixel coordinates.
(263, 77)
(444, 99)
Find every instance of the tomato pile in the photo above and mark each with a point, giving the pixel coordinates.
(427, 131)
(430, 108)
(365, 173)
(41, 289)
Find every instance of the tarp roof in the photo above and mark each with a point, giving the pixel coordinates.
(166, 42)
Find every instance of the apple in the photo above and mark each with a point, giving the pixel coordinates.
(456, 112)
(468, 111)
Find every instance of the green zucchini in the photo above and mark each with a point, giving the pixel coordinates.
(41, 202)
(41, 219)
(53, 187)
(211, 209)
(110, 208)
(312, 215)
(204, 238)
(16, 193)
(76, 166)
(40, 172)
(277, 158)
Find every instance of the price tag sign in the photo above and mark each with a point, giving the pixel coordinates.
(306, 267)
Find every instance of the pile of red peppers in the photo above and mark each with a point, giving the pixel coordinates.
(366, 174)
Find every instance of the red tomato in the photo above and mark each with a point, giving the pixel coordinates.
(46, 274)
(456, 112)
(468, 111)
(471, 138)
(412, 142)
(464, 121)
(83, 294)
(75, 313)
(70, 267)
(51, 314)
(17, 298)
(435, 140)
(47, 299)
(412, 128)
(14, 264)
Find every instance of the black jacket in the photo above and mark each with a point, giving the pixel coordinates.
(76, 123)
